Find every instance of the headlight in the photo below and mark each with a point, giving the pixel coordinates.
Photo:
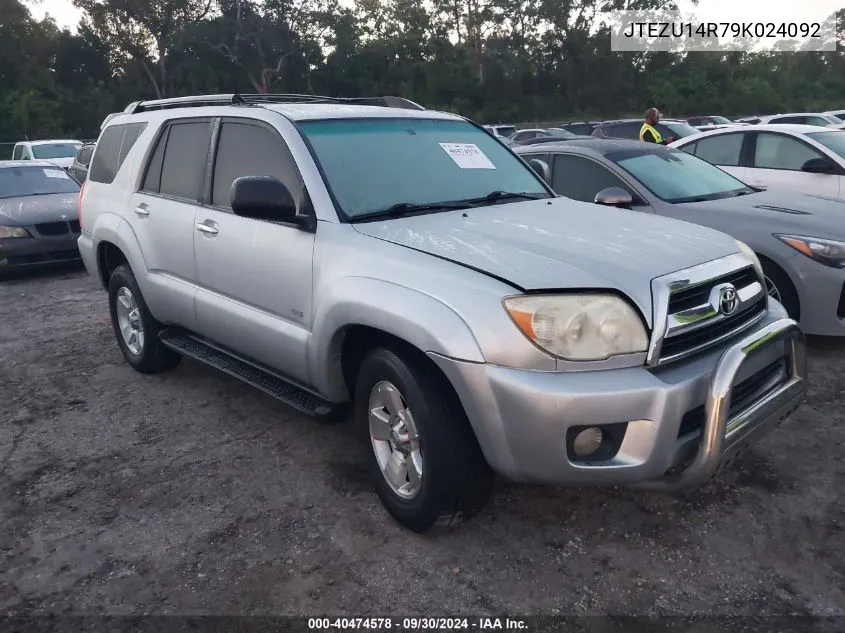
(579, 327)
(13, 231)
(828, 252)
(750, 254)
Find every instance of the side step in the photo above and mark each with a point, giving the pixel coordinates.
(270, 383)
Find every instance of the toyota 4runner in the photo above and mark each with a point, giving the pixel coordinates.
(401, 261)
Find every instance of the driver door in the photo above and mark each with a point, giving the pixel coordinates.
(581, 178)
(776, 163)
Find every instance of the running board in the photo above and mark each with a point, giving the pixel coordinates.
(270, 383)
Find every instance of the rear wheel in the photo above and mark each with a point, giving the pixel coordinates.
(134, 326)
(424, 459)
(780, 288)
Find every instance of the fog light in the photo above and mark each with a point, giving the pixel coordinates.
(587, 441)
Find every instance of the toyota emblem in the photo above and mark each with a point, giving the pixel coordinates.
(728, 300)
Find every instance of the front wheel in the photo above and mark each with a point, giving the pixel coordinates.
(135, 327)
(779, 287)
(425, 462)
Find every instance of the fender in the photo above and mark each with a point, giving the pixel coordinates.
(110, 227)
(417, 318)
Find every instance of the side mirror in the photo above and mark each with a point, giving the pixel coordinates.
(541, 168)
(819, 166)
(262, 198)
(614, 197)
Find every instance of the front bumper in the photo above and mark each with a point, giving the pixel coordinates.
(522, 418)
(22, 253)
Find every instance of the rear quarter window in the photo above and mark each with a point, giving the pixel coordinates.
(112, 148)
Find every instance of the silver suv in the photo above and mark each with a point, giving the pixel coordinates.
(404, 263)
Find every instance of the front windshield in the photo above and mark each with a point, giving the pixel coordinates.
(371, 165)
(681, 129)
(556, 131)
(55, 150)
(833, 140)
(721, 119)
(675, 176)
(35, 181)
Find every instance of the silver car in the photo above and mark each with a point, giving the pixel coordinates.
(799, 239)
(405, 265)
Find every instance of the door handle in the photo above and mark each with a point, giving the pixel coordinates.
(142, 210)
(206, 228)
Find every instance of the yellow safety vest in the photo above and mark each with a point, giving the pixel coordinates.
(646, 127)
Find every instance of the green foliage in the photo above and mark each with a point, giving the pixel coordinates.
(492, 60)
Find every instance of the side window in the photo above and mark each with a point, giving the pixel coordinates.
(581, 178)
(791, 119)
(152, 178)
(17, 154)
(246, 149)
(185, 159)
(628, 130)
(689, 148)
(817, 120)
(85, 155)
(112, 147)
(723, 149)
(778, 151)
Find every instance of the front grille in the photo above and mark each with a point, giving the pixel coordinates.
(696, 295)
(743, 395)
(695, 322)
(50, 229)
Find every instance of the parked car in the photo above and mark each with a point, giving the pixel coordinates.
(818, 119)
(580, 128)
(502, 131)
(800, 158)
(520, 136)
(472, 320)
(38, 223)
(751, 120)
(800, 240)
(59, 152)
(79, 167)
(699, 121)
(630, 129)
(839, 114)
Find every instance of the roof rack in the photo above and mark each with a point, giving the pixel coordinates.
(253, 99)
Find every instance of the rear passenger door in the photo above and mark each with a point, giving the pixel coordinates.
(255, 276)
(776, 163)
(162, 215)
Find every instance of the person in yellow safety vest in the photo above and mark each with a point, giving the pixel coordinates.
(648, 132)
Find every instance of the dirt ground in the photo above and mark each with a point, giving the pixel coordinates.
(191, 493)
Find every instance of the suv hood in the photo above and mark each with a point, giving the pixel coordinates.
(559, 243)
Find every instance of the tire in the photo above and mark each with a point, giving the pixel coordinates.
(456, 480)
(127, 307)
(779, 286)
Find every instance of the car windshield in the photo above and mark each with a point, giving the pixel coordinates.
(506, 130)
(833, 140)
(720, 119)
(681, 129)
(835, 119)
(675, 176)
(35, 181)
(372, 165)
(46, 151)
(556, 131)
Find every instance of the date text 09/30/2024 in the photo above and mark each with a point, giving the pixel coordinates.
(417, 624)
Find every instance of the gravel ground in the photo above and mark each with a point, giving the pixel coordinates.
(191, 493)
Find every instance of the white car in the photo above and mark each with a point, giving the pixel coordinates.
(59, 152)
(801, 158)
(818, 119)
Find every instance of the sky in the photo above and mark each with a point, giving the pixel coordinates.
(66, 15)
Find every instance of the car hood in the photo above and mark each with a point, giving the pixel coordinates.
(36, 209)
(560, 244)
(784, 210)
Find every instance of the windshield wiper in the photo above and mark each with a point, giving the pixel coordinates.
(404, 209)
(493, 196)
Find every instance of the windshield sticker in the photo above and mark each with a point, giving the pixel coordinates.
(55, 173)
(467, 156)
